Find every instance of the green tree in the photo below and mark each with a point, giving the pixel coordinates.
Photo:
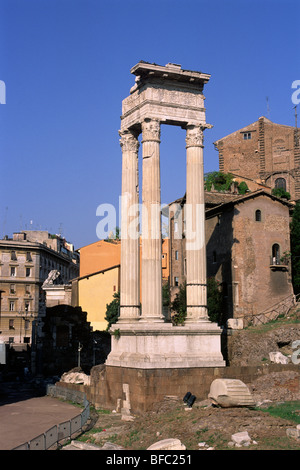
(114, 235)
(214, 303)
(179, 306)
(280, 192)
(220, 181)
(113, 310)
(242, 187)
(166, 295)
(295, 248)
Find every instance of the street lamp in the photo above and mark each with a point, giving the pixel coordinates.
(79, 350)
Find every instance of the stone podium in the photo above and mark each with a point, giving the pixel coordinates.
(141, 339)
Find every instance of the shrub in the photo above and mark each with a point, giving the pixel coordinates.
(113, 310)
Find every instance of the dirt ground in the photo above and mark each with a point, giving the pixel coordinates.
(214, 426)
(205, 423)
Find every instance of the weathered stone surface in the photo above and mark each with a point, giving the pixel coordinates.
(294, 433)
(162, 95)
(75, 378)
(77, 445)
(163, 345)
(235, 323)
(230, 392)
(278, 357)
(167, 444)
(241, 438)
(111, 446)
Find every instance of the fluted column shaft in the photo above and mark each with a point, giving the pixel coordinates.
(151, 223)
(196, 289)
(130, 269)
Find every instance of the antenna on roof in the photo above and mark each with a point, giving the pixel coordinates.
(60, 229)
(5, 220)
(295, 108)
(268, 108)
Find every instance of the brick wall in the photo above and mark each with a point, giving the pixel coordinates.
(271, 152)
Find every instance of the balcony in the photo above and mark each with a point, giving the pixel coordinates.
(277, 264)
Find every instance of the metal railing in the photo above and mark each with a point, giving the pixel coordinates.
(282, 308)
(63, 431)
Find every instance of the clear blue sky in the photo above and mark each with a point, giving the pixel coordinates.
(66, 65)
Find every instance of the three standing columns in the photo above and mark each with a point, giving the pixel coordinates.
(151, 227)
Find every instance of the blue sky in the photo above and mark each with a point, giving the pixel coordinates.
(66, 66)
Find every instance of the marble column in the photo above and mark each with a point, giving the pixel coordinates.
(196, 282)
(130, 269)
(151, 223)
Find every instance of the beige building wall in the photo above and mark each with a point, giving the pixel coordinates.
(95, 291)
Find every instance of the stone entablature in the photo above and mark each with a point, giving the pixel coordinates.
(169, 94)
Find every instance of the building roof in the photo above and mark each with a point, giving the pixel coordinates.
(243, 198)
(86, 276)
(245, 128)
(212, 198)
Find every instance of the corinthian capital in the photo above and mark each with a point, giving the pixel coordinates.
(151, 130)
(194, 136)
(129, 141)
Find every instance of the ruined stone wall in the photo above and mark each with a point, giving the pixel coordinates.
(145, 388)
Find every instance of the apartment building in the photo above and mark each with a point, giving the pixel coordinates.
(25, 262)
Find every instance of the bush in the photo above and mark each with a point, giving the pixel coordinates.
(295, 248)
(280, 192)
(214, 303)
(214, 300)
(221, 181)
(243, 188)
(113, 310)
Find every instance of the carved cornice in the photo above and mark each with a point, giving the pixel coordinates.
(151, 130)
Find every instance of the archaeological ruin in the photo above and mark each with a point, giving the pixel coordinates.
(141, 339)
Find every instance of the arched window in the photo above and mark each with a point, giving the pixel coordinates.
(280, 183)
(258, 215)
(275, 254)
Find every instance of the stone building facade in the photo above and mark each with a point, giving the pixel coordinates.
(247, 246)
(25, 262)
(263, 151)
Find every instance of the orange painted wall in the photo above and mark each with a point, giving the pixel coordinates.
(103, 255)
(99, 256)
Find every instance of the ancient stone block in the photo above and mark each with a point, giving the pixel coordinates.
(167, 444)
(229, 393)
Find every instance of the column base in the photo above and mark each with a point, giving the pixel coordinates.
(163, 345)
(151, 320)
